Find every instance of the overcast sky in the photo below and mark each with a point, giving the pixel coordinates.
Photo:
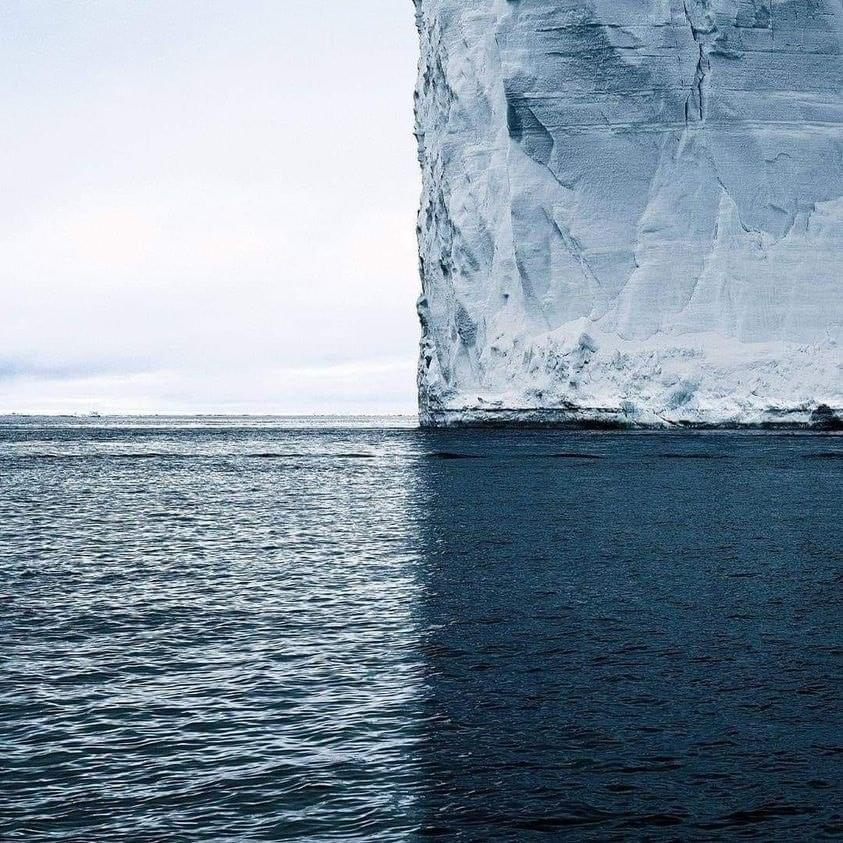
(207, 205)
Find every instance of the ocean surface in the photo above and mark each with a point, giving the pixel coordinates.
(322, 629)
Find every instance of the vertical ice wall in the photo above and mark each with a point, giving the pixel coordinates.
(632, 210)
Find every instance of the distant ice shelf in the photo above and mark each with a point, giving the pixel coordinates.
(632, 212)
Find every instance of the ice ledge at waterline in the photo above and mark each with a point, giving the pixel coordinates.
(632, 211)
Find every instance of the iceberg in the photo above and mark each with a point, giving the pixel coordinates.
(632, 212)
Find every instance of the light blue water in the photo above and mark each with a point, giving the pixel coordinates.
(230, 629)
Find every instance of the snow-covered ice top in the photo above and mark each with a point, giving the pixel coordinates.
(632, 210)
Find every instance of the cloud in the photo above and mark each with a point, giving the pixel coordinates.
(28, 369)
(352, 387)
(204, 206)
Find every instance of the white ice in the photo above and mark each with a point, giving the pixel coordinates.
(632, 210)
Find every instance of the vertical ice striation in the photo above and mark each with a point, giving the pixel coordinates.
(632, 210)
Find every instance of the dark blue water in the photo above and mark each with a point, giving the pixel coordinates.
(237, 630)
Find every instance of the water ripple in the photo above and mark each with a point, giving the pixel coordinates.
(218, 630)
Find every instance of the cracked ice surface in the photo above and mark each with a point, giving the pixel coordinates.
(632, 209)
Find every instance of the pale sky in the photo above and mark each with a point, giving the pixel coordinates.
(207, 206)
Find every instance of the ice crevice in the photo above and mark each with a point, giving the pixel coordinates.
(696, 97)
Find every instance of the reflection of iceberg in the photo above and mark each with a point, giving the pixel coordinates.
(632, 211)
(614, 645)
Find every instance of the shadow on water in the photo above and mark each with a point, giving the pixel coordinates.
(630, 645)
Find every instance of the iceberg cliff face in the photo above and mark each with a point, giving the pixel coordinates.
(632, 210)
